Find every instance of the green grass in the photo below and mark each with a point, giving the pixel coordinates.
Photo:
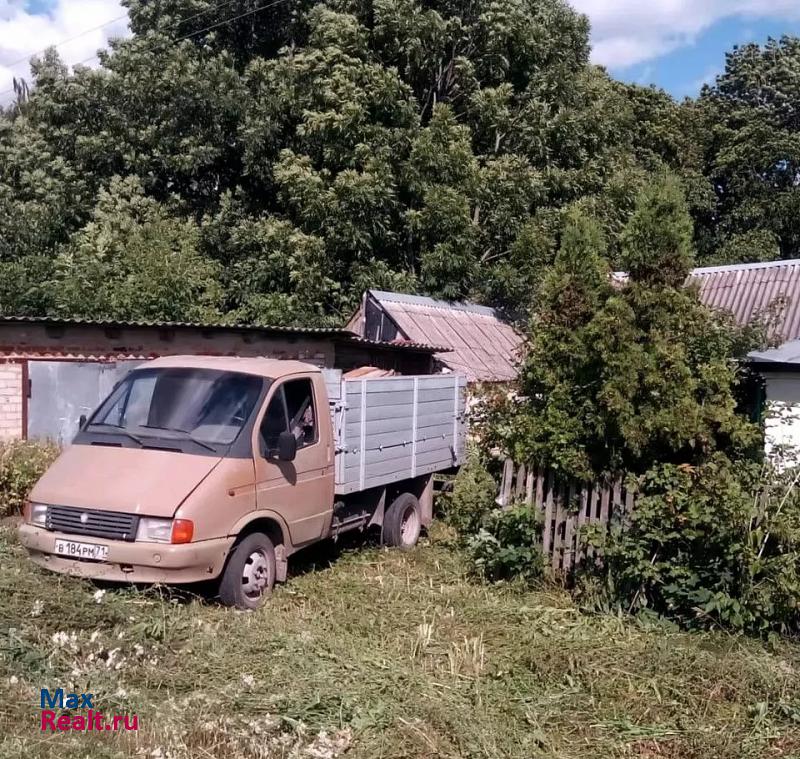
(382, 654)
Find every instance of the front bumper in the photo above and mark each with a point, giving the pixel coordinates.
(130, 562)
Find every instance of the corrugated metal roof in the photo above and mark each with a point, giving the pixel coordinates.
(113, 323)
(480, 344)
(332, 332)
(768, 290)
(753, 291)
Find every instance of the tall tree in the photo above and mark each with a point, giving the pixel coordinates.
(622, 378)
(320, 148)
(753, 152)
(439, 147)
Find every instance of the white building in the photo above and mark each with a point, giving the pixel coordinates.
(780, 369)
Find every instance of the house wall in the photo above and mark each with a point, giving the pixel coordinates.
(782, 415)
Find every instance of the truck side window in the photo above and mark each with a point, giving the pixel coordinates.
(274, 421)
(301, 411)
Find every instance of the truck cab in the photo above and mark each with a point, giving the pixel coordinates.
(183, 457)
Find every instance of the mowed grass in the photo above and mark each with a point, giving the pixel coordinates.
(378, 653)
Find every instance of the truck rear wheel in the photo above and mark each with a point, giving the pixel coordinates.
(402, 522)
(249, 574)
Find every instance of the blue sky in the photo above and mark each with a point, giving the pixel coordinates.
(39, 6)
(675, 44)
(683, 71)
(680, 44)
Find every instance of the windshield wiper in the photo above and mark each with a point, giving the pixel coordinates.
(183, 432)
(119, 430)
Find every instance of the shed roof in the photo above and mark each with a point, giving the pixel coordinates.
(335, 333)
(783, 356)
(750, 291)
(480, 344)
(115, 323)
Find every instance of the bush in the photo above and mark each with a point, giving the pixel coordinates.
(712, 545)
(506, 547)
(472, 497)
(21, 463)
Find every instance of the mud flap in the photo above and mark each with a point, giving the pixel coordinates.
(281, 564)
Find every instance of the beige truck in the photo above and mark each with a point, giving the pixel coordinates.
(206, 468)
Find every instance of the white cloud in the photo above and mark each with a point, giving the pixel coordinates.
(23, 32)
(624, 32)
(627, 32)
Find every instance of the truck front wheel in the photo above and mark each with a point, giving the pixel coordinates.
(402, 522)
(249, 574)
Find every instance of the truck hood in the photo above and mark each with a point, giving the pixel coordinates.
(130, 480)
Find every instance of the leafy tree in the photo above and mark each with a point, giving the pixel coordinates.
(274, 273)
(438, 147)
(393, 142)
(134, 261)
(753, 150)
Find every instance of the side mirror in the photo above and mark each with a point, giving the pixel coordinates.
(82, 421)
(287, 446)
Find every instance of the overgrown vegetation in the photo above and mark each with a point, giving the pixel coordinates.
(501, 544)
(506, 546)
(276, 161)
(385, 654)
(637, 378)
(21, 464)
(711, 545)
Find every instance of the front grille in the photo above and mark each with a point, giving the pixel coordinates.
(96, 524)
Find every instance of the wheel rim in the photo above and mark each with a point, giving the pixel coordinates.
(409, 526)
(255, 574)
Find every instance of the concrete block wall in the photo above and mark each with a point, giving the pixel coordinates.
(11, 401)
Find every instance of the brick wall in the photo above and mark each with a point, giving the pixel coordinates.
(11, 399)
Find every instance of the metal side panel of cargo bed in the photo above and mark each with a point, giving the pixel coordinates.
(393, 428)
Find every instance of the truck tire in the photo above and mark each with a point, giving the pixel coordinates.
(402, 522)
(249, 574)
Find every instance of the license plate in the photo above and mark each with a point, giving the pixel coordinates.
(81, 550)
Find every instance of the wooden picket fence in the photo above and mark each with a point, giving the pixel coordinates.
(568, 507)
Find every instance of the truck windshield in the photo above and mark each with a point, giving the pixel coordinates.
(206, 406)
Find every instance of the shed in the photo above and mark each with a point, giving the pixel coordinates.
(54, 370)
(479, 343)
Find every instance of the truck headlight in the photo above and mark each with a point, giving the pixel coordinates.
(154, 530)
(37, 514)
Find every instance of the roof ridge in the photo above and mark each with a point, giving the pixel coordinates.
(81, 321)
(701, 270)
(425, 300)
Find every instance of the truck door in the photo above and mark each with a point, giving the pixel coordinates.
(301, 491)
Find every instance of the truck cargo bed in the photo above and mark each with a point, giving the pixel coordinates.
(394, 428)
